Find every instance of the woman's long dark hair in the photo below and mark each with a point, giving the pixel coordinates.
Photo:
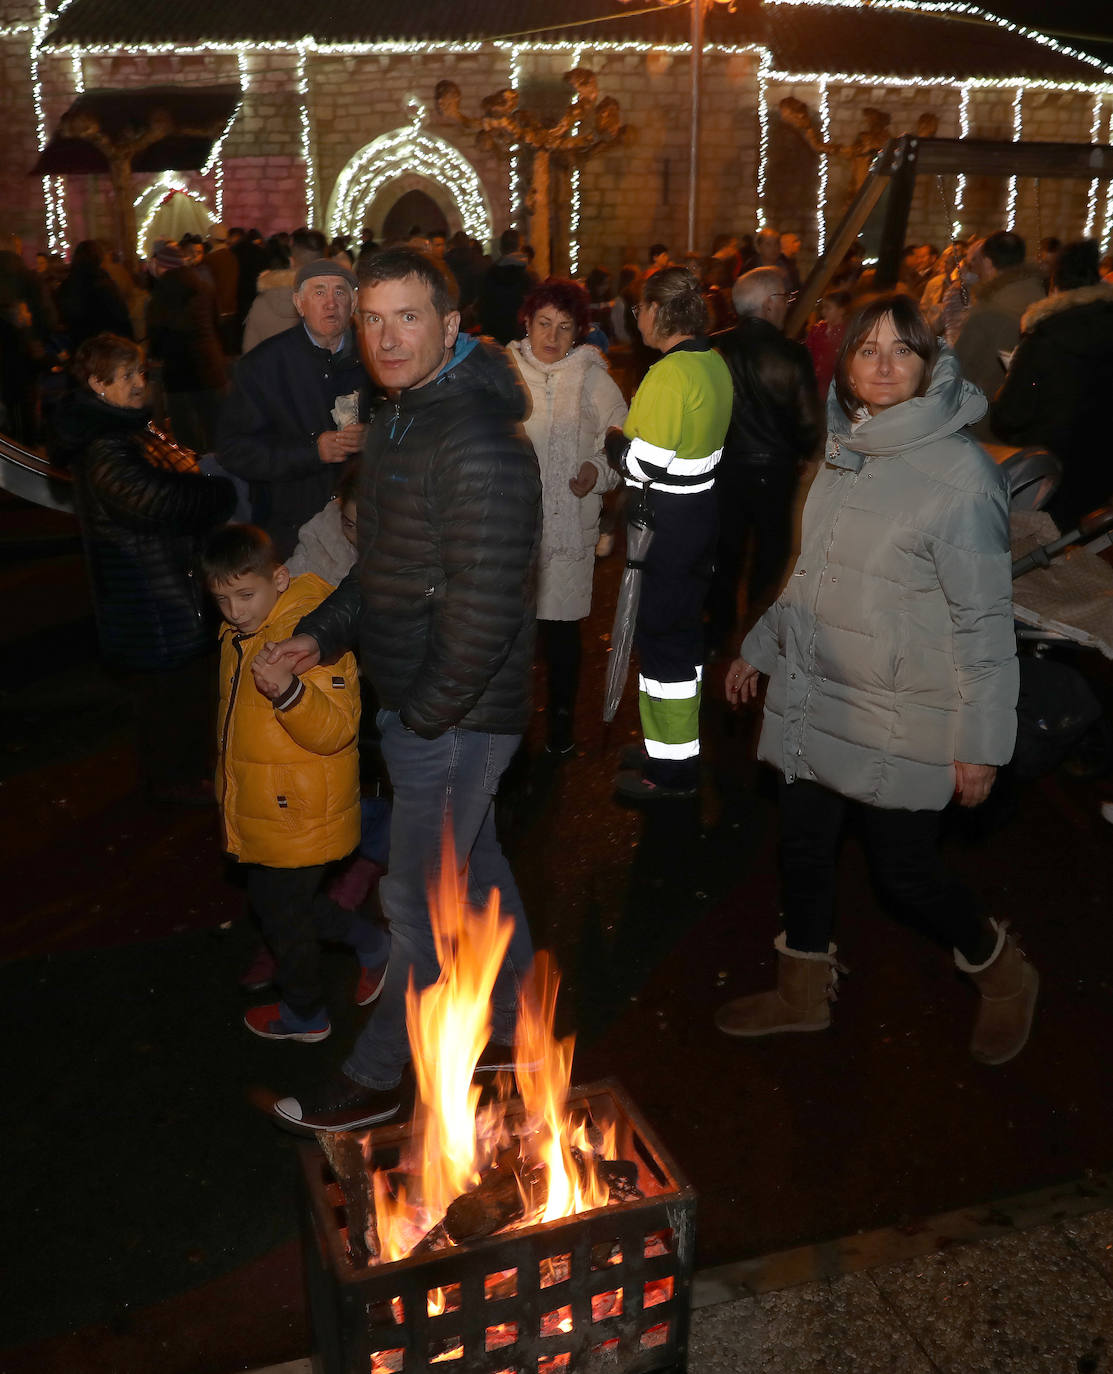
(910, 326)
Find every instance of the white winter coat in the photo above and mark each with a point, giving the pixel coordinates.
(575, 402)
(891, 649)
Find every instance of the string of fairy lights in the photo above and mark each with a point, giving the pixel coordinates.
(385, 157)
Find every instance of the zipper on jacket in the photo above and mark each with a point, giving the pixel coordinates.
(237, 644)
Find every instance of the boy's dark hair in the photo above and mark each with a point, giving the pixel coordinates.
(657, 248)
(396, 264)
(510, 241)
(1004, 249)
(910, 326)
(234, 550)
(1079, 264)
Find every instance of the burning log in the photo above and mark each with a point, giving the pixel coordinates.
(500, 1198)
(345, 1156)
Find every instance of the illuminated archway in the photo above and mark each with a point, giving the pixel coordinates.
(405, 160)
(167, 209)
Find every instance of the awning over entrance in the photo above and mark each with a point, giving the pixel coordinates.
(193, 118)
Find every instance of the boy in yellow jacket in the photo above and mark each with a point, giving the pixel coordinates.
(287, 779)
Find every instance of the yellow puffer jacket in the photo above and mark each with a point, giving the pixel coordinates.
(288, 780)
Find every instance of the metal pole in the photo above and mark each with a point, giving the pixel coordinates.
(693, 146)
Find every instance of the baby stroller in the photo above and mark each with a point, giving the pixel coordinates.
(1063, 607)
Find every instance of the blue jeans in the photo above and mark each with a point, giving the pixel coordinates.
(451, 779)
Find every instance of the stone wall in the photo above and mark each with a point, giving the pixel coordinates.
(629, 197)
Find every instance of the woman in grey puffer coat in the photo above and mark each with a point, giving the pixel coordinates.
(893, 672)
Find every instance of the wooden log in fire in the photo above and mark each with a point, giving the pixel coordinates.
(344, 1153)
(500, 1197)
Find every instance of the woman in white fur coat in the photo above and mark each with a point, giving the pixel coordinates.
(575, 402)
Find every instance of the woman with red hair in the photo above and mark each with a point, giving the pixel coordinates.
(575, 402)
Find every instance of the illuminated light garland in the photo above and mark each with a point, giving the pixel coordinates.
(960, 180)
(1018, 124)
(394, 155)
(1107, 225)
(957, 7)
(78, 74)
(515, 49)
(514, 187)
(824, 166)
(763, 68)
(307, 138)
(574, 198)
(1092, 198)
(154, 195)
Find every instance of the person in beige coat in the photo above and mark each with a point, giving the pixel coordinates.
(893, 673)
(575, 402)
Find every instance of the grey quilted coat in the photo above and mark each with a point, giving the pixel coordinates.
(891, 650)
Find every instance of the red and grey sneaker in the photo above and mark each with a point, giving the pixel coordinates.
(370, 984)
(276, 1021)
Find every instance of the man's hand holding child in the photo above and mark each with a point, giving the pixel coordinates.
(272, 679)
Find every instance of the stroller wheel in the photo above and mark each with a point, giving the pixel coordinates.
(1092, 756)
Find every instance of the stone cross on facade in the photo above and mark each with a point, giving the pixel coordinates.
(587, 127)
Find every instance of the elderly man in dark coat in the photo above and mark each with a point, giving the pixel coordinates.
(295, 413)
(774, 427)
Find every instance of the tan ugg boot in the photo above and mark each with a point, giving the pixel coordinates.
(1008, 985)
(801, 1001)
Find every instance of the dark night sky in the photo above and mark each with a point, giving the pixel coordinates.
(1091, 17)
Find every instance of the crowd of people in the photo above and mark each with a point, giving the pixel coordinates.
(395, 464)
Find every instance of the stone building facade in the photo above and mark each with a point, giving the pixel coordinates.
(334, 130)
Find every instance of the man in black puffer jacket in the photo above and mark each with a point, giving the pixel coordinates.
(442, 599)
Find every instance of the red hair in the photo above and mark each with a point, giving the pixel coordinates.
(559, 294)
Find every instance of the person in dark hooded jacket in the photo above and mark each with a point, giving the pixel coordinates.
(144, 510)
(442, 601)
(1057, 390)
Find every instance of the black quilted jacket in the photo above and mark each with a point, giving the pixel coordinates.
(142, 527)
(449, 517)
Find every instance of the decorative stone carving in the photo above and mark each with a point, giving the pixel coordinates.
(587, 127)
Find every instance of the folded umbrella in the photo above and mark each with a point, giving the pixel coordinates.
(639, 536)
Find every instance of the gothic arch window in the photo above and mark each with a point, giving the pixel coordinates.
(167, 209)
(408, 159)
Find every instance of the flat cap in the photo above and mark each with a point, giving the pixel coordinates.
(324, 267)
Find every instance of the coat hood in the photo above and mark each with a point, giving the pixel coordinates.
(1062, 301)
(83, 418)
(305, 592)
(274, 278)
(477, 365)
(1011, 288)
(950, 404)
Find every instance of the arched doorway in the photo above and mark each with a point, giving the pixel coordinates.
(414, 209)
(167, 209)
(409, 159)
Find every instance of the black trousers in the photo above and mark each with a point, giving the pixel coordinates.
(669, 631)
(902, 851)
(560, 643)
(293, 918)
(755, 497)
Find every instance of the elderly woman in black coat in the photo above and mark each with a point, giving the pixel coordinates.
(144, 509)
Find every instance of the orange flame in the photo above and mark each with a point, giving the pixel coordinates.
(449, 1025)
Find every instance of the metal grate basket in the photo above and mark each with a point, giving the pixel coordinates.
(607, 1290)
